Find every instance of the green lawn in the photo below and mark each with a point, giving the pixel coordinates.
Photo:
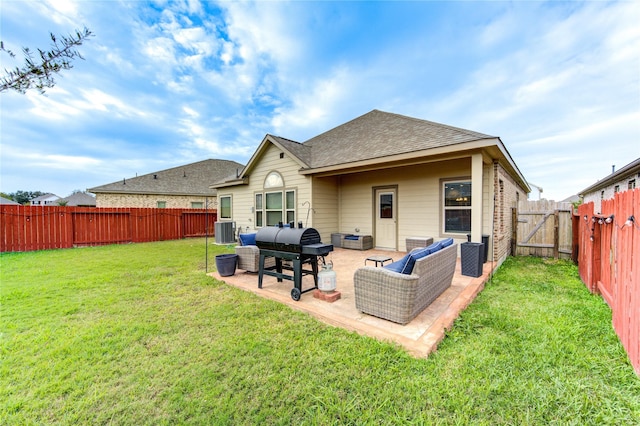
(138, 334)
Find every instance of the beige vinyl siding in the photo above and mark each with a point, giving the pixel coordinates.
(325, 216)
(418, 198)
(244, 196)
(487, 201)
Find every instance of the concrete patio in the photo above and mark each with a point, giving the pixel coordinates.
(420, 337)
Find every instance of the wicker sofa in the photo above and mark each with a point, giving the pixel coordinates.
(249, 254)
(400, 297)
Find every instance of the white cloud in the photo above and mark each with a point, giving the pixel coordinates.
(315, 104)
(263, 28)
(63, 12)
(30, 159)
(161, 50)
(191, 112)
(499, 30)
(49, 108)
(186, 81)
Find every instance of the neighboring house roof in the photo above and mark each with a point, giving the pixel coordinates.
(190, 179)
(81, 199)
(374, 138)
(626, 171)
(7, 201)
(571, 199)
(45, 197)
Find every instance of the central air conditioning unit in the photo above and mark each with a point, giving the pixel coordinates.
(225, 232)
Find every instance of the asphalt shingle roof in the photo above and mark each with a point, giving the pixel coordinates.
(191, 179)
(301, 151)
(79, 199)
(379, 134)
(7, 201)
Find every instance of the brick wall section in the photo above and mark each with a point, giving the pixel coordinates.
(150, 200)
(507, 194)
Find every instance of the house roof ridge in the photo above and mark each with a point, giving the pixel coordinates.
(436, 123)
(285, 139)
(183, 166)
(166, 180)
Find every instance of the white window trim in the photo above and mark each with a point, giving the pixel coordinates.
(267, 211)
(230, 207)
(445, 207)
(283, 211)
(258, 210)
(287, 210)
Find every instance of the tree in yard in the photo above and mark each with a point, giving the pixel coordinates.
(23, 197)
(39, 73)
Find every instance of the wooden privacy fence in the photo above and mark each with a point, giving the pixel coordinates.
(609, 262)
(542, 228)
(26, 228)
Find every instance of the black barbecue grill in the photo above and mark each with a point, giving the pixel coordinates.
(299, 246)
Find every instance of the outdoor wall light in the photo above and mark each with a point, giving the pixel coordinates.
(593, 219)
(609, 219)
(585, 218)
(630, 221)
(601, 221)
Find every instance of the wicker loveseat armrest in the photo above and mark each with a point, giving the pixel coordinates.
(385, 294)
(249, 258)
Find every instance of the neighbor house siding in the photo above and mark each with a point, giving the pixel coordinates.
(150, 200)
(609, 191)
(244, 196)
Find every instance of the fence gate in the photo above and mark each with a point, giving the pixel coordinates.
(543, 228)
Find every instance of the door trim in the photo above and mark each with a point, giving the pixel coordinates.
(374, 209)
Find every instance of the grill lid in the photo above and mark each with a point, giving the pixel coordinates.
(286, 239)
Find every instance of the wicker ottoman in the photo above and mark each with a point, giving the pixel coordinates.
(415, 242)
(363, 242)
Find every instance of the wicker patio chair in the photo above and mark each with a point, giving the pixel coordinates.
(249, 257)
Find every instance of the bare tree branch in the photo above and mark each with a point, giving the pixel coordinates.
(40, 74)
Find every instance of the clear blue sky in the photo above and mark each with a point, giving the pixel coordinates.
(169, 83)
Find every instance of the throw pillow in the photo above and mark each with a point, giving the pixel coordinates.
(248, 239)
(402, 266)
(423, 252)
(446, 242)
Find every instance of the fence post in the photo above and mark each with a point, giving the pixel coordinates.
(556, 234)
(575, 239)
(514, 230)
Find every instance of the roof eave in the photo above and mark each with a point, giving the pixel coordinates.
(231, 183)
(260, 150)
(187, 194)
(630, 168)
(403, 157)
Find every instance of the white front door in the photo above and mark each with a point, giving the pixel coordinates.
(386, 211)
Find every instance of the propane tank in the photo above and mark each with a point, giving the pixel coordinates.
(327, 278)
